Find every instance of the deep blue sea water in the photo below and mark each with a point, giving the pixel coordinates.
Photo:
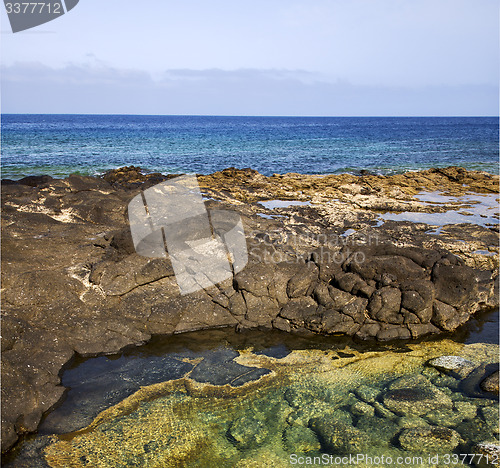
(89, 144)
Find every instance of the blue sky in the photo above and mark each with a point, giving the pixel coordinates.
(274, 57)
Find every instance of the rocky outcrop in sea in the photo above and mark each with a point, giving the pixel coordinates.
(321, 260)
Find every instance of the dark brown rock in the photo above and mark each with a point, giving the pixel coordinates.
(72, 281)
(490, 383)
(297, 310)
(385, 305)
(302, 284)
(445, 316)
(455, 284)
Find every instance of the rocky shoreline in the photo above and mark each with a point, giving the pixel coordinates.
(72, 282)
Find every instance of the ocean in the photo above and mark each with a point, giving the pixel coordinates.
(59, 145)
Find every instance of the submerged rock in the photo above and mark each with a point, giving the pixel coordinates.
(300, 439)
(455, 364)
(338, 437)
(362, 409)
(490, 451)
(429, 439)
(414, 396)
(490, 383)
(248, 432)
(380, 430)
(466, 410)
(366, 393)
(491, 415)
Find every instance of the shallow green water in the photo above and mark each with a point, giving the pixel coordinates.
(220, 399)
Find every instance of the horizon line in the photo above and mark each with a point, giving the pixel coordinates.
(253, 115)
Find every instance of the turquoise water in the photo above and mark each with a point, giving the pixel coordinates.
(89, 144)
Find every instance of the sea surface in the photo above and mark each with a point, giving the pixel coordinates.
(59, 145)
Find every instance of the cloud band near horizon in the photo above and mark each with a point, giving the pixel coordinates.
(83, 89)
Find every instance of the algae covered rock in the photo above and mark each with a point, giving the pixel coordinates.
(423, 439)
(465, 409)
(475, 430)
(490, 451)
(302, 416)
(247, 432)
(300, 439)
(366, 393)
(490, 383)
(362, 409)
(409, 422)
(381, 430)
(338, 437)
(414, 396)
(444, 417)
(491, 415)
(455, 365)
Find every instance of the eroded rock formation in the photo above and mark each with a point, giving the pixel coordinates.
(72, 282)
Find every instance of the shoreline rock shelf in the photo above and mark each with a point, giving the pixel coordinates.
(313, 403)
(72, 282)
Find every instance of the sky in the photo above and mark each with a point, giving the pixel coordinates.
(272, 57)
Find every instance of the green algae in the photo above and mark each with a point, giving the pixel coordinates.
(312, 404)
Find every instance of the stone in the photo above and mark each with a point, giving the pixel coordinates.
(445, 316)
(445, 381)
(70, 272)
(455, 284)
(368, 331)
(299, 439)
(429, 440)
(340, 298)
(355, 309)
(362, 409)
(397, 268)
(281, 324)
(338, 437)
(381, 430)
(490, 383)
(347, 281)
(322, 294)
(247, 432)
(409, 422)
(383, 412)
(388, 332)
(414, 396)
(424, 329)
(418, 297)
(455, 365)
(446, 417)
(366, 393)
(465, 409)
(255, 279)
(260, 310)
(474, 430)
(337, 322)
(297, 310)
(303, 283)
(491, 416)
(317, 408)
(299, 397)
(490, 451)
(385, 305)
